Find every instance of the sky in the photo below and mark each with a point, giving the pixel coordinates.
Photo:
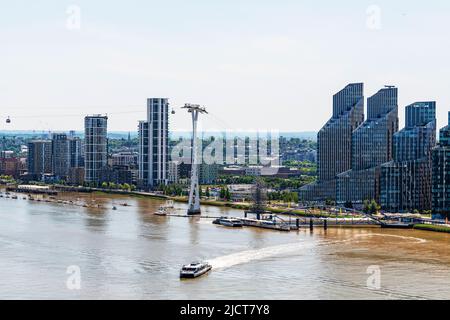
(254, 64)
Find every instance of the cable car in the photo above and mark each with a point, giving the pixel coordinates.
(173, 111)
(8, 120)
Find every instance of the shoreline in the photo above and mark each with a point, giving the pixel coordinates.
(233, 205)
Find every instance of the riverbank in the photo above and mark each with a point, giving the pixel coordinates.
(205, 202)
(431, 227)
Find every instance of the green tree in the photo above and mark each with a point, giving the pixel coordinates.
(223, 193)
(348, 205)
(227, 194)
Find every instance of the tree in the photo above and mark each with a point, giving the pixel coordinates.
(104, 185)
(222, 193)
(371, 207)
(375, 207)
(348, 205)
(227, 194)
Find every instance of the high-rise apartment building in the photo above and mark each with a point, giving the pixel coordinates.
(372, 145)
(406, 181)
(95, 146)
(60, 155)
(154, 144)
(39, 158)
(441, 175)
(334, 154)
(76, 152)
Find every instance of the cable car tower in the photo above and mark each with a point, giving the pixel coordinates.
(194, 192)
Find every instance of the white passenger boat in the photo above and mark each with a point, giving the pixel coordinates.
(195, 270)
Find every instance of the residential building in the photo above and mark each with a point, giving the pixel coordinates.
(95, 146)
(10, 166)
(76, 176)
(6, 154)
(129, 159)
(406, 181)
(334, 154)
(174, 172)
(208, 173)
(76, 152)
(60, 155)
(371, 146)
(154, 144)
(39, 158)
(116, 174)
(441, 175)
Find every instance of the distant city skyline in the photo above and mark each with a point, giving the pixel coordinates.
(255, 65)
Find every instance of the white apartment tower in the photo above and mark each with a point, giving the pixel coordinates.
(95, 146)
(154, 144)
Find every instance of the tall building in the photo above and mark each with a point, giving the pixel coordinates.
(60, 155)
(154, 144)
(174, 172)
(95, 146)
(441, 175)
(372, 145)
(334, 154)
(76, 152)
(406, 181)
(39, 158)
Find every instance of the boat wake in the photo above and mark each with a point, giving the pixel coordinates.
(257, 254)
(418, 240)
(247, 256)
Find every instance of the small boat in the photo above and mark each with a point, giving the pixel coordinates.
(14, 197)
(161, 212)
(114, 208)
(195, 270)
(229, 222)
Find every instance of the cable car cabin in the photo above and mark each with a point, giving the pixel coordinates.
(8, 120)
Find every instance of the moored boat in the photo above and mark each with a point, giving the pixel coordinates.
(229, 222)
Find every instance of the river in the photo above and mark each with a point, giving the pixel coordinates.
(129, 253)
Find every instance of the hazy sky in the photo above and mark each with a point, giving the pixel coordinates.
(255, 64)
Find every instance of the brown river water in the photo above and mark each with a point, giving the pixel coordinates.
(129, 253)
